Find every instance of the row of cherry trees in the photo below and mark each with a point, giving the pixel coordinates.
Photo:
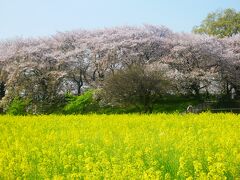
(42, 70)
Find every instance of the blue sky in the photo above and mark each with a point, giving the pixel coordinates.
(32, 18)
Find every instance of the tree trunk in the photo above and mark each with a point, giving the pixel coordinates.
(79, 91)
(2, 90)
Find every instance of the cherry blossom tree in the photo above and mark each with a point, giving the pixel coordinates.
(231, 67)
(44, 68)
(196, 59)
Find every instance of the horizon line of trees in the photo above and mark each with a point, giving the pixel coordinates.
(42, 71)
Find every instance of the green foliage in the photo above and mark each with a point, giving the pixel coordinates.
(220, 23)
(173, 103)
(81, 104)
(17, 107)
(166, 104)
(118, 110)
(85, 104)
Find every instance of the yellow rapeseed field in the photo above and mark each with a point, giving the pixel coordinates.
(161, 146)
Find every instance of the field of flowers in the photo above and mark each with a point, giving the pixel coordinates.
(205, 146)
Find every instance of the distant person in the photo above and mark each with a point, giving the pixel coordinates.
(190, 109)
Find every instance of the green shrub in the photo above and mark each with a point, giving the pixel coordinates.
(81, 104)
(17, 107)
